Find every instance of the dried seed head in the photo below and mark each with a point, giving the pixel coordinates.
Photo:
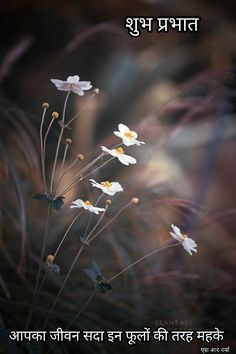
(80, 157)
(96, 90)
(50, 258)
(55, 115)
(108, 202)
(45, 105)
(68, 141)
(135, 200)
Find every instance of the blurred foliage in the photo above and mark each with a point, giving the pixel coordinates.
(176, 90)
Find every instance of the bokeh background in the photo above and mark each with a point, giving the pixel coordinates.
(177, 91)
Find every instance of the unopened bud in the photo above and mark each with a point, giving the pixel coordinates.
(45, 105)
(108, 202)
(55, 115)
(50, 258)
(96, 90)
(68, 141)
(80, 157)
(135, 200)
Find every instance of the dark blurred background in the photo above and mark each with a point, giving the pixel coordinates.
(177, 91)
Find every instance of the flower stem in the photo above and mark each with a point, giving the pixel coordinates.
(80, 112)
(91, 216)
(66, 233)
(142, 258)
(42, 150)
(110, 221)
(62, 286)
(32, 307)
(65, 172)
(114, 277)
(97, 224)
(58, 248)
(72, 185)
(59, 141)
(62, 166)
(77, 315)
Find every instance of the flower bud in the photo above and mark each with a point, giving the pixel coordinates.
(55, 115)
(135, 200)
(68, 141)
(50, 258)
(80, 157)
(45, 105)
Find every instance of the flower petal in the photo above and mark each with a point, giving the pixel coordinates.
(78, 203)
(176, 230)
(123, 128)
(122, 159)
(77, 90)
(176, 237)
(85, 85)
(118, 134)
(73, 79)
(131, 160)
(128, 142)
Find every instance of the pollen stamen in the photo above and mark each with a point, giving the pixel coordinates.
(129, 134)
(106, 184)
(120, 150)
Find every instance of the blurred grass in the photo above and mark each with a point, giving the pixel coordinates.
(171, 89)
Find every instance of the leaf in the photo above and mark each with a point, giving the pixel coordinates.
(57, 203)
(99, 282)
(42, 197)
(96, 268)
(90, 273)
(55, 268)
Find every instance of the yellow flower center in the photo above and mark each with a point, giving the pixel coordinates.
(120, 150)
(88, 202)
(184, 236)
(129, 134)
(106, 184)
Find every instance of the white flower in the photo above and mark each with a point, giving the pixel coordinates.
(87, 205)
(128, 136)
(72, 84)
(120, 154)
(188, 244)
(110, 188)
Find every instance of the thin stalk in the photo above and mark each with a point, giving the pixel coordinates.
(59, 141)
(63, 285)
(41, 149)
(142, 258)
(97, 223)
(58, 248)
(44, 151)
(98, 168)
(110, 221)
(82, 308)
(72, 185)
(66, 233)
(65, 172)
(77, 315)
(78, 175)
(80, 112)
(32, 307)
(91, 216)
(114, 277)
(62, 165)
